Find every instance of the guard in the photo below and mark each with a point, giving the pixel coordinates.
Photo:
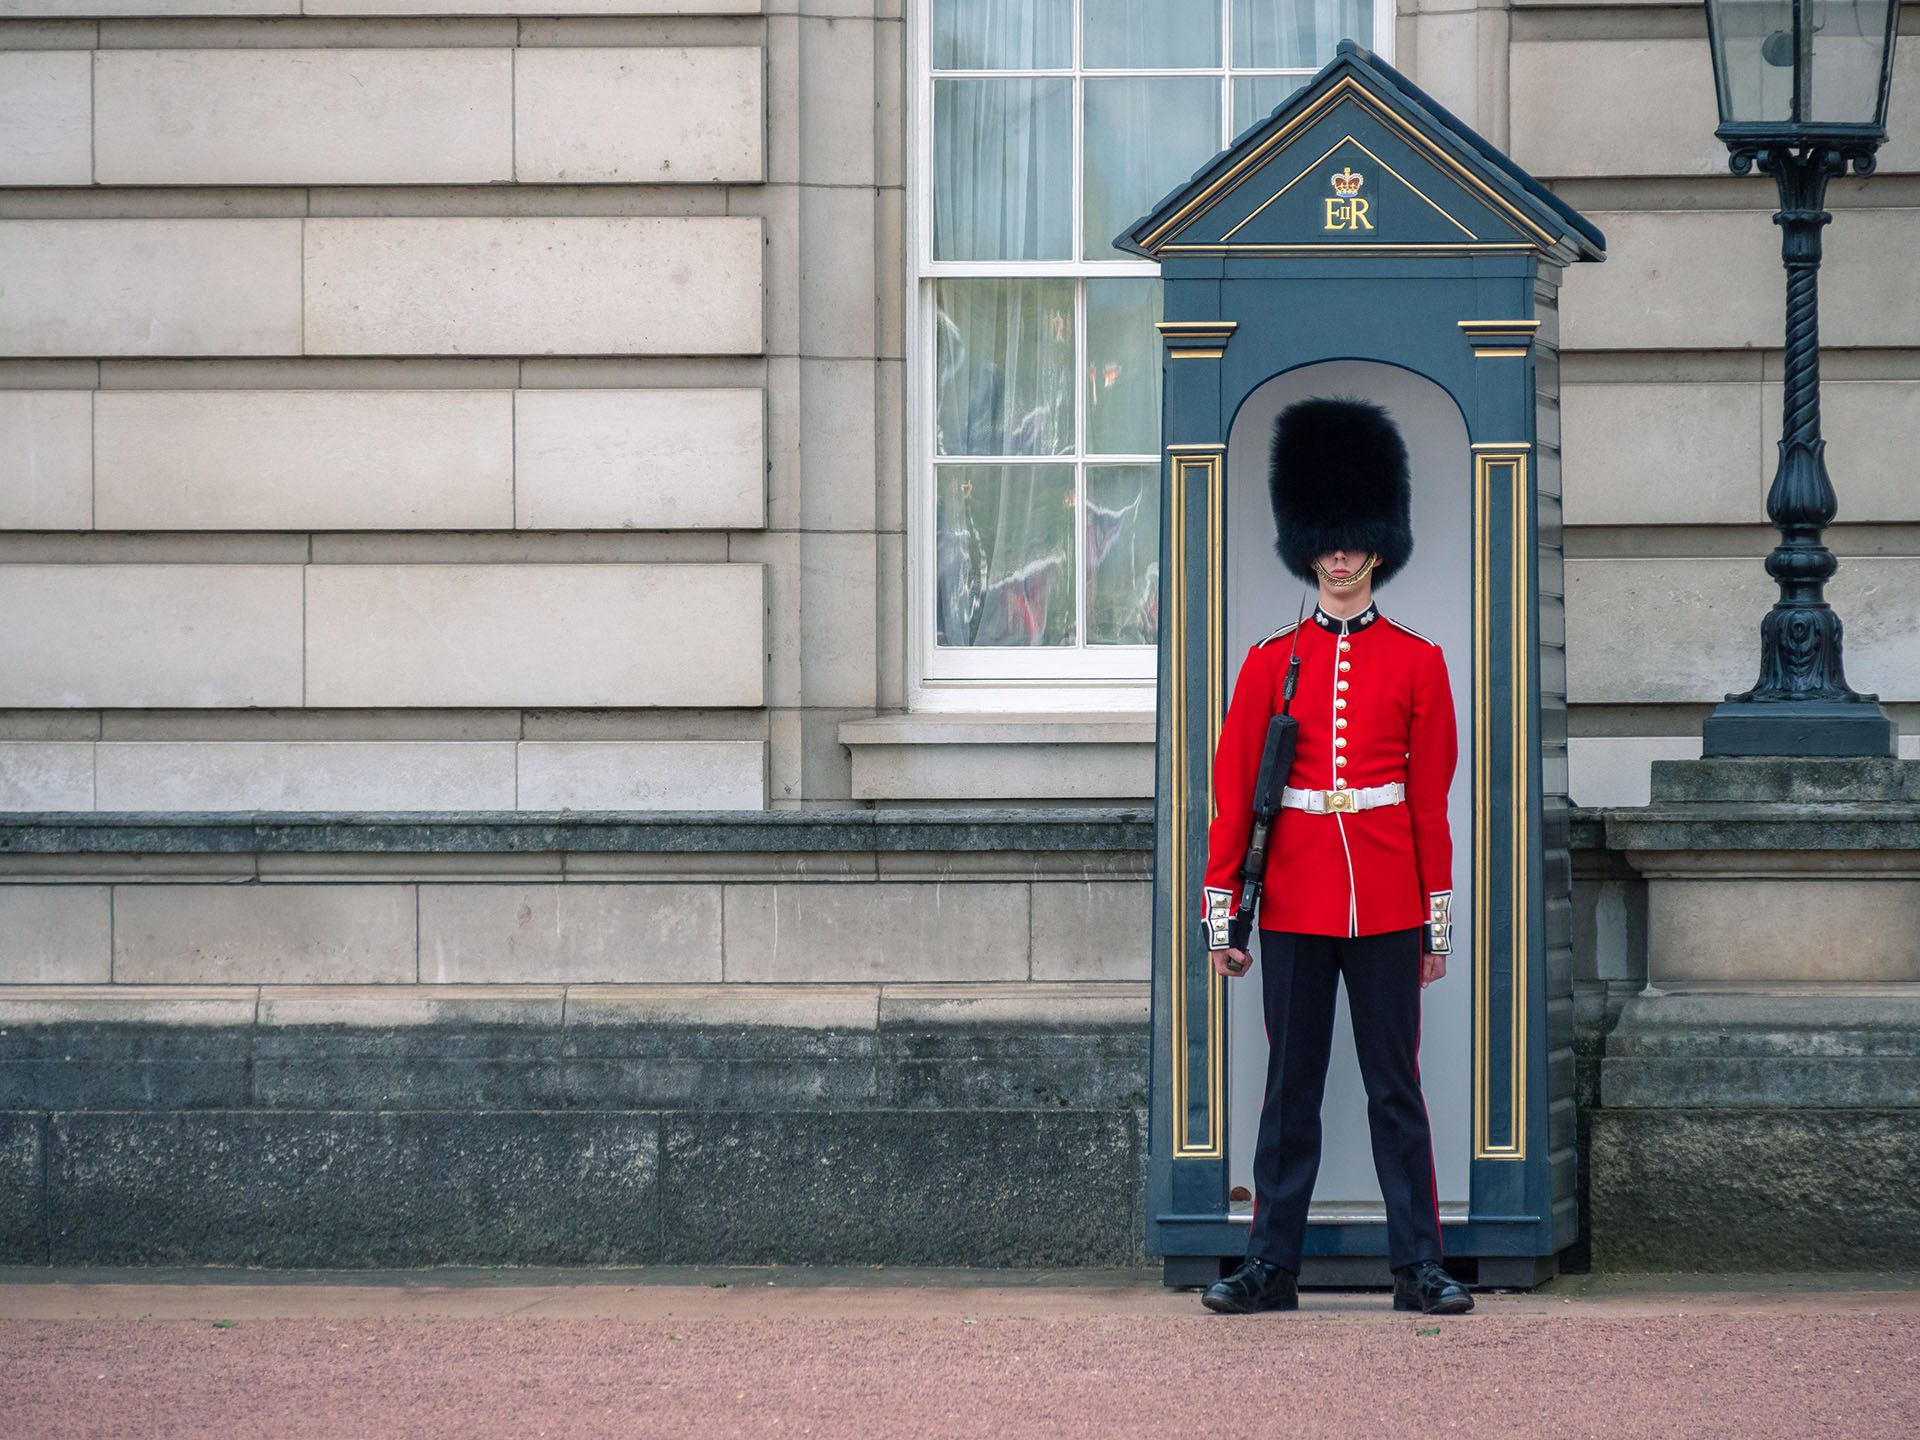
(1358, 869)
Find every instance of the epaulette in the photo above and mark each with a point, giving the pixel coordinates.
(1287, 629)
(1402, 625)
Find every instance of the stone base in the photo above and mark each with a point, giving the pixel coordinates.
(1750, 1189)
(970, 1131)
(1759, 1130)
(1799, 728)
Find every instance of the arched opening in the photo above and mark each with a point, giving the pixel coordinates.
(1433, 594)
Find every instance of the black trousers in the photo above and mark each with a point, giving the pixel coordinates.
(1298, 975)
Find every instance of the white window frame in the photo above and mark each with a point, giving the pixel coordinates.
(1022, 678)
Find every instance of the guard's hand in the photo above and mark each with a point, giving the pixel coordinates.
(1432, 967)
(1230, 962)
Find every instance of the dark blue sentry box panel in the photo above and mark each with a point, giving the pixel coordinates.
(1361, 221)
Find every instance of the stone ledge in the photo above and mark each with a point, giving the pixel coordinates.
(1088, 829)
(1076, 1004)
(1777, 1048)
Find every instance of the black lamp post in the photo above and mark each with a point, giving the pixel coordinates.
(1803, 87)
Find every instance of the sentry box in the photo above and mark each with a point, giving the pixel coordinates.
(1363, 241)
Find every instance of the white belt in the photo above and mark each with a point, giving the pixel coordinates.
(1325, 802)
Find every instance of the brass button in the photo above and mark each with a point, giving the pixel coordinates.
(1346, 645)
(1340, 704)
(1339, 759)
(1341, 723)
(1346, 664)
(1339, 685)
(1340, 742)
(1339, 784)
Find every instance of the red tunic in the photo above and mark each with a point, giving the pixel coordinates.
(1374, 706)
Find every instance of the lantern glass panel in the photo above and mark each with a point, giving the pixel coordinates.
(1753, 60)
(1849, 50)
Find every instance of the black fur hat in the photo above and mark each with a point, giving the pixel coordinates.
(1338, 476)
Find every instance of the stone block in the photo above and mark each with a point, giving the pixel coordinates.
(305, 775)
(311, 116)
(46, 775)
(569, 932)
(687, 285)
(46, 459)
(55, 935)
(838, 579)
(1094, 930)
(90, 288)
(838, 424)
(838, 281)
(713, 1008)
(1733, 927)
(837, 101)
(864, 931)
(643, 775)
(304, 459)
(1712, 279)
(92, 9)
(1665, 454)
(46, 125)
(1614, 107)
(652, 116)
(23, 1189)
(377, 1009)
(1755, 1188)
(263, 934)
(127, 1009)
(639, 459)
(136, 635)
(335, 1189)
(549, 635)
(926, 1187)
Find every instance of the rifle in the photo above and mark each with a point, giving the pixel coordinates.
(1276, 763)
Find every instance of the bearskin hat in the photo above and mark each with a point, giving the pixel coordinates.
(1338, 477)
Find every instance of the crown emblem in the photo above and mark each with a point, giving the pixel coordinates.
(1347, 183)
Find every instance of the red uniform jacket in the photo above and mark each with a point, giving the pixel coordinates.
(1374, 706)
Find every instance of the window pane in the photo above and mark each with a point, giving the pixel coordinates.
(1143, 137)
(1150, 34)
(1257, 96)
(1123, 367)
(1003, 365)
(1004, 554)
(1002, 169)
(1298, 35)
(1002, 34)
(1123, 554)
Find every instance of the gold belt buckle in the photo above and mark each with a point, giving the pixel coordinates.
(1341, 800)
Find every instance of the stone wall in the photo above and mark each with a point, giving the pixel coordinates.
(478, 407)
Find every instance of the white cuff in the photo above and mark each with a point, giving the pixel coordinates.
(1219, 913)
(1440, 922)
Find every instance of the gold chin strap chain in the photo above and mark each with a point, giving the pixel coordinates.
(1351, 580)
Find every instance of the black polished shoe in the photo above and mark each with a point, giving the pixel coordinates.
(1425, 1287)
(1256, 1285)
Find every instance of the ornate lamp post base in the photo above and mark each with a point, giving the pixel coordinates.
(1799, 727)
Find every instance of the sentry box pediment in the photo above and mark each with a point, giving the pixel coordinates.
(1361, 240)
(1360, 160)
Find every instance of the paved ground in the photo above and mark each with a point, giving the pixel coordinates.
(828, 1353)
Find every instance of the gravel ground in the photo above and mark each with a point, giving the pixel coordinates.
(957, 1356)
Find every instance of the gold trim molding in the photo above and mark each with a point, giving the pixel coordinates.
(1501, 465)
(1206, 466)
